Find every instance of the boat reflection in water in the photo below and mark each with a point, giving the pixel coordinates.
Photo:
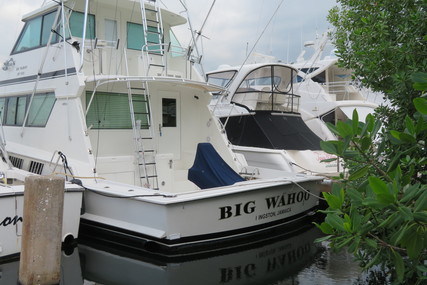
(276, 259)
(264, 263)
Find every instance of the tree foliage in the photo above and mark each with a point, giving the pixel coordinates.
(384, 42)
(379, 210)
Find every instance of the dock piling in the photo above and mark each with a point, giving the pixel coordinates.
(42, 230)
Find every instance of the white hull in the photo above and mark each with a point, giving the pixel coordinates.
(11, 213)
(197, 221)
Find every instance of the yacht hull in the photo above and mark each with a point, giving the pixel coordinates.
(11, 218)
(199, 221)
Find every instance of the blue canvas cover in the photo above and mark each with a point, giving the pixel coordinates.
(210, 170)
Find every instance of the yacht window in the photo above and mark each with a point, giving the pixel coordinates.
(176, 48)
(76, 25)
(135, 37)
(169, 112)
(40, 109)
(2, 101)
(111, 111)
(15, 112)
(222, 78)
(110, 30)
(47, 29)
(36, 33)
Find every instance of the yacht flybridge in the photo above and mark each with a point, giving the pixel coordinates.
(102, 93)
(261, 115)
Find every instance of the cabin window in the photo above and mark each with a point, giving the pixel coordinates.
(169, 112)
(110, 30)
(176, 48)
(135, 37)
(111, 111)
(222, 78)
(40, 110)
(36, 33)
(2, 101)
(76, 25)
(15, 112)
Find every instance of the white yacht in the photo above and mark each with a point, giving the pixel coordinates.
(102, 93)
(260, 112)
(12, 189)
(328, 92)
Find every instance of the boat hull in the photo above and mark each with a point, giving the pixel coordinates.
(200, 221)
(11, 219)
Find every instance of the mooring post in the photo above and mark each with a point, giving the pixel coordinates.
(40, 261)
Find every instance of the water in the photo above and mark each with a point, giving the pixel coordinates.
(285, 261)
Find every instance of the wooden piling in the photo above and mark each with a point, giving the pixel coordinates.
(42, 230)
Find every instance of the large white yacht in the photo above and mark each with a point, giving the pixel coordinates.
(329, 93)
(260, 112)
(102, 93)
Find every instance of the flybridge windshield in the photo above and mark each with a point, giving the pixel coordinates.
(222, 78)
(268, 88)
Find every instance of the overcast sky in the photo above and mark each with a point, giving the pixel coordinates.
(231, 30)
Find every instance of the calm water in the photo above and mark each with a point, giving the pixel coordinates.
(286, 261)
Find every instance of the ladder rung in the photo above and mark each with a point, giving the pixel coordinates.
(147, 163)
(151, 10)
(153, 32)
(149, 176)
(153, 21)
(148, 150)
(158, 65)
(137, 88)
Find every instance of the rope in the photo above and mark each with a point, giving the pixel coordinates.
(305, 190)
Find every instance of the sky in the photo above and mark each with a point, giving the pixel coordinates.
(230, 32)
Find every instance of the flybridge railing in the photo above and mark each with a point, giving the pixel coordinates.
(267, 101)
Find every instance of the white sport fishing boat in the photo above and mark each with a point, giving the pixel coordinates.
(328, 92)
(260, 112)
(12, 188)
(120, 108)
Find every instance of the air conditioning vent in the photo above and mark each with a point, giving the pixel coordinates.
(16, 162)
(36, 167)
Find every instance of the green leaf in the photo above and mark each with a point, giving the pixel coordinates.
(344, 129)
(377, 185)
(329, 147)
(421, 217)
(325, 228)
(333, 201)
(371, 243)
(355, 121)
(381, 190)
(359, 173)
(421, 203)
(335, 221)
(421, 105)
(420, 81)
(399, 266)
(410, 125)
(355, 196)
(415, 246)
(406, 213)
(322, 239)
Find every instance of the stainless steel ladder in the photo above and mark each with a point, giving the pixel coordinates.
(154, 47)
(145, 153)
